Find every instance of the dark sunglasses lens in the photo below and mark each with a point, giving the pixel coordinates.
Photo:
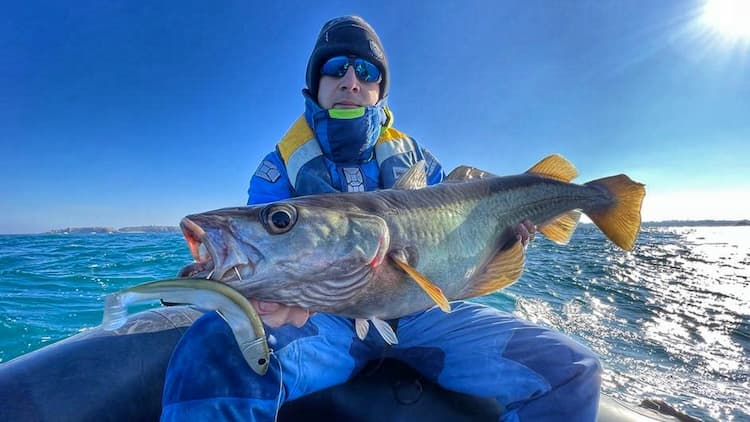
(366, 71)
(335, 66)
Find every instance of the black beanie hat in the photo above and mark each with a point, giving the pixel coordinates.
(346, 36)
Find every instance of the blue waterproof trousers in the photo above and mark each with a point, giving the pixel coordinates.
(535, 374)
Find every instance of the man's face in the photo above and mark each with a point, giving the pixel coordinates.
(347, 91)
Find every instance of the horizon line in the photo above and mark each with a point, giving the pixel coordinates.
(176, 228)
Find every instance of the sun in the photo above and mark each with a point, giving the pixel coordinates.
(730, 18)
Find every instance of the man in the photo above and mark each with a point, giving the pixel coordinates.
(344, 142)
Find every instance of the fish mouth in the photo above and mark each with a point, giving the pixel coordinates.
(217, 254)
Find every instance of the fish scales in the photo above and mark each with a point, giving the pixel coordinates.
(454, 224)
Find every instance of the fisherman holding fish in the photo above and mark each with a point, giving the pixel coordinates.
(345, 142)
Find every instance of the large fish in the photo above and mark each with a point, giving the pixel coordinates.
(379, 255)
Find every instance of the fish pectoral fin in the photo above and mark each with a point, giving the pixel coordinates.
(502, 270)
(560, 229)
(414, 178)
(556, 167)
(385, 330)
(433, 291)
(362, 326)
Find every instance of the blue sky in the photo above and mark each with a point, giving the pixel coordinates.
(126, 113)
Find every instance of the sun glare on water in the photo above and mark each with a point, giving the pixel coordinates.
(730, 18)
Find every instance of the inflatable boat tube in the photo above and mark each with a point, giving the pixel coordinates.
(119, 376)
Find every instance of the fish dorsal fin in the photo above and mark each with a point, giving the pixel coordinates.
(561, 228)
(362, 327)
(385, 331)
(414, 178)
(464, 173)
(556, 167)
(433, 291)
(500, 271)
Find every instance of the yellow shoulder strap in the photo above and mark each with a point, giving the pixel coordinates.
(295, 137)
(390, 134)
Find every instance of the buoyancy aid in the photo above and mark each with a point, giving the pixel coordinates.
(347, 150)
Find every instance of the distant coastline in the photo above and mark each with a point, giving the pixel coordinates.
(696, 223)
(134, 229)
(175, 229)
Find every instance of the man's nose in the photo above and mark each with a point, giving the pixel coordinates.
(349, 81)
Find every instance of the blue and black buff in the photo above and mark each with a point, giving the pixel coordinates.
(346, 36)
(346, 136)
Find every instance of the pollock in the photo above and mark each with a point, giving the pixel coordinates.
(374, 256)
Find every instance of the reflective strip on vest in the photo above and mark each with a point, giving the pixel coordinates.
(355, 181)
(387, 149)
(301, 156)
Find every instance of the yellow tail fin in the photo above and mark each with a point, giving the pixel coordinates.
(622, 221)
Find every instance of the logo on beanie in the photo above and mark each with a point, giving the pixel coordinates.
(376, 51)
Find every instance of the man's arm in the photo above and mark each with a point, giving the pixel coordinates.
(433, 167)
(270, 182)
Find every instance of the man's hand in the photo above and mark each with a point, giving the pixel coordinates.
(275, 314)
(525, 232)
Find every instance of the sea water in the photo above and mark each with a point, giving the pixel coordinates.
(669, 320)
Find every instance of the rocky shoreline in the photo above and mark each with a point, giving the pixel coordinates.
(133, 229)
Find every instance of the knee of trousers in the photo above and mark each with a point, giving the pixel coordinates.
(553, 355)
(207, 363)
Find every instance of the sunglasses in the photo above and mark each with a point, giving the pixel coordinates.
(337, 67)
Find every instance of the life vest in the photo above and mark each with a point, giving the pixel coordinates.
(310, 171)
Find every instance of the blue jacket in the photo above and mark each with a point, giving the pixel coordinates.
(299, 166)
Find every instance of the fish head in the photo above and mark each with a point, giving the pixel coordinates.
(285, 251)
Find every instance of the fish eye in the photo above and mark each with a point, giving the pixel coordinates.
(279, 218)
